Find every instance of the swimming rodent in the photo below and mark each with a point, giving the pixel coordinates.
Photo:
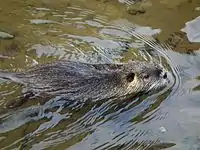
(84, 81)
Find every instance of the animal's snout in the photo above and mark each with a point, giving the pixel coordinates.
(161, 73)
(158, 72)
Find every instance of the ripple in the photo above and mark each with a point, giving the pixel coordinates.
(79, 33)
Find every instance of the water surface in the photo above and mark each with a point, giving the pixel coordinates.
(36, 32)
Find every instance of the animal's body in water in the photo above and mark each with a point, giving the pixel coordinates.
(84, 81)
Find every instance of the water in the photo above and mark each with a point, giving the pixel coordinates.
(35, 32)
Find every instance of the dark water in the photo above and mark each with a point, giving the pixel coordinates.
(39, 32)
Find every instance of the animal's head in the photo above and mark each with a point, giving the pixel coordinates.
(145, 77)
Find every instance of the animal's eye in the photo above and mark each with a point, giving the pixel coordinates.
(146, 76)
(130, 77)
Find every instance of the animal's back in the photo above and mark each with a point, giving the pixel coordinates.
(73, 79)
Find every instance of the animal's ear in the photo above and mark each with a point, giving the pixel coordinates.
(130, 77)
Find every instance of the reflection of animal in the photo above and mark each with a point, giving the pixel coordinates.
(83, 81)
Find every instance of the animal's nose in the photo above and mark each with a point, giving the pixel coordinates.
(165, 75)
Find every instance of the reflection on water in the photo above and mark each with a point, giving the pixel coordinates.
(33, 32)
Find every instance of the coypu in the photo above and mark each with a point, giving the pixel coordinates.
(84, 81)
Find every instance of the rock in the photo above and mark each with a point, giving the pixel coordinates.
(134, 9)
(137, 7)
(5, 36)
(179, 41)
